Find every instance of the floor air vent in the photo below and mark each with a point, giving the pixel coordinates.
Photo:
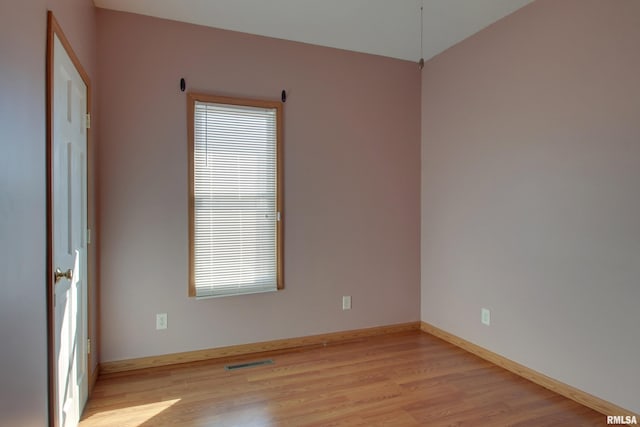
(248, 365)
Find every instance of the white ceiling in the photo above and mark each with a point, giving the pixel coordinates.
(381, 27)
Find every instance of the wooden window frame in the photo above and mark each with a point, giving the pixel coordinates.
(192, 98)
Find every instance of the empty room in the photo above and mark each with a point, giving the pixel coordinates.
(319, 213)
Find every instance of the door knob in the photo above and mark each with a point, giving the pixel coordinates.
(59, 274)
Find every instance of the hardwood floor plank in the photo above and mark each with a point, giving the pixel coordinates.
(404, 379)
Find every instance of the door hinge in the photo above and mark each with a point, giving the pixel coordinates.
(89, 346)
(88, 236)
(88, 121)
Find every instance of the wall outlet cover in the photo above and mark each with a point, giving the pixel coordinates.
(485, 316)
(161, 321)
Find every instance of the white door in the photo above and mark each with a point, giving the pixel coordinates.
(69, 202)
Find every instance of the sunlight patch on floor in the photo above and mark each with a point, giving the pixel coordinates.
(130, 416)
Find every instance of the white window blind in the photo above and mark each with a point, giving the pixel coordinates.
(235, 216)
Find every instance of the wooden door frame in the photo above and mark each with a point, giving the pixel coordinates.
(54, 30)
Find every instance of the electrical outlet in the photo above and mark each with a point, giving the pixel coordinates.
(346, 302)
(161, 321)
(485, 316)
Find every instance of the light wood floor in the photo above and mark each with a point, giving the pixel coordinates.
(406, 379)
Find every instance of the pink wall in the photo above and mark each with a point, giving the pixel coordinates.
(23, 360)
(530, 207)
(352, 144)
